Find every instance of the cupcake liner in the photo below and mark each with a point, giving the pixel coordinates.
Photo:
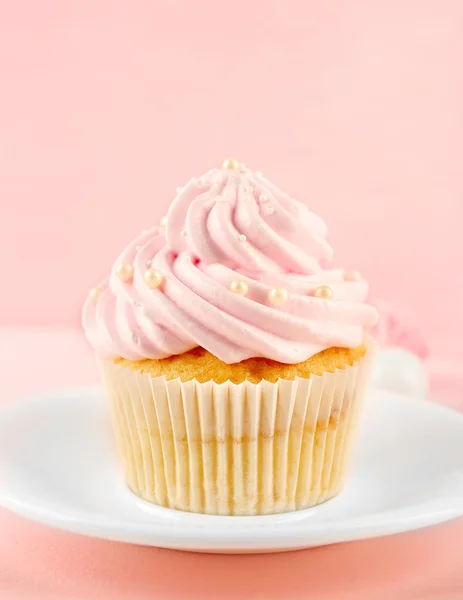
(232, 449)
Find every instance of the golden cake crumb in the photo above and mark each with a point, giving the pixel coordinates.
(202, 365)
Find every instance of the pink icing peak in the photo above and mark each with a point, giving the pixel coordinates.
(224, 226)
(208, 216)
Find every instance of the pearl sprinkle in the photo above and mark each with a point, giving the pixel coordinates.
(324, 292)
(154, 278)
(278, 296)
(124, 271)
(240, 287)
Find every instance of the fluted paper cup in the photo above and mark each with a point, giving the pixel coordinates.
(230, 449)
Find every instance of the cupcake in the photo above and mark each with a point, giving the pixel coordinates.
(234, 360)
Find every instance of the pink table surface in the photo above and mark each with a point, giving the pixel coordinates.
(37, 562)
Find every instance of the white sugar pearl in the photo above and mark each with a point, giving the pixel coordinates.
(324, 291)
(95, 294)
(230, 163)
(278, 296)
(153, 278)
(124, 271)
(239, 287)
(352, 276)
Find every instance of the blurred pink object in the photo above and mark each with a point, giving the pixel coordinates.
(396, 329)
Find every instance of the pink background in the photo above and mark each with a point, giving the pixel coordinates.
(106, 106)
(355, 107)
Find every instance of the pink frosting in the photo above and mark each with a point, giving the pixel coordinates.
(229, 225)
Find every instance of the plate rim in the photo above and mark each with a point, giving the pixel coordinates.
(253, 538)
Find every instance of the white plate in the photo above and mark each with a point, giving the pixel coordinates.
(57, 466)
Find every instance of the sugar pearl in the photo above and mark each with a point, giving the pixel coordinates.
(278, 296)
(230, 163)
(239, 287)
(242, 238)
(124, 271)
(263, 198)
(324, 291)
(153, 278)
(95, 294)
(270, 210)
(352, 276)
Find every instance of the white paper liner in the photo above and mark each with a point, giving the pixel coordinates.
(232, 449)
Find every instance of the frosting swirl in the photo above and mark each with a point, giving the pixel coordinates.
(226, 226)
